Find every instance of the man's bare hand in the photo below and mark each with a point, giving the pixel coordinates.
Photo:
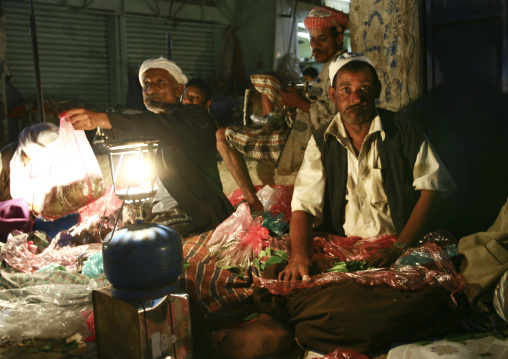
(297, 268)
(291, 98)
(83, 119)
(384, 257)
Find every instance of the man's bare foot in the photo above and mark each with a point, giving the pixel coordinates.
(264, 336)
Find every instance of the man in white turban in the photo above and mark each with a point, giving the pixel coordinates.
(190, 199)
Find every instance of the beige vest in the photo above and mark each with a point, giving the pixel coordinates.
(486, 260)
(321, 113)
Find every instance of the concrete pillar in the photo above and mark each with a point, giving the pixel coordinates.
(388, 32)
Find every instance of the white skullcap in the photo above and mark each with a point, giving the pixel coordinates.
(162, 63)
(343, 59)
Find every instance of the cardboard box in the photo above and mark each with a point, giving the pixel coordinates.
(147, 329)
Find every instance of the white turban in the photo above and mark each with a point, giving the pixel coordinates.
(343, 59)
(162, 63)
(38, 142)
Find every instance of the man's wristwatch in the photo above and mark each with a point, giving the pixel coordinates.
(401, 245)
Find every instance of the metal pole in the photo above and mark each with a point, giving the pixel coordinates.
(169, 45)
(33, 32)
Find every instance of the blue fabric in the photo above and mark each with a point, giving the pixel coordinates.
(61, 224)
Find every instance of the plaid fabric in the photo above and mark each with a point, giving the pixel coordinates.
(263, 143)
(269, 86)
(174, 218)
(20, 280)
(214, 289)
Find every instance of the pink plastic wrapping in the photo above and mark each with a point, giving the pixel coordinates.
(343, 354)
(17, 253)
(440, 273)
(75, 178)
(105, 205)
(237, 241)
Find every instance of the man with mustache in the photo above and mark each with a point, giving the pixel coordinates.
(285, 146)
(369, 172)
(190, 197)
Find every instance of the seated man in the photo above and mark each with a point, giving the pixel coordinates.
(285, 146)
(197, 92)
(368, 173)
(187, 165)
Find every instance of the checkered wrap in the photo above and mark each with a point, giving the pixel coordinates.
(214, 289)
(263, 143)
(269, 86)
(324, 17)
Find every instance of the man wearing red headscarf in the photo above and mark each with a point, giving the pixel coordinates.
(283, 146)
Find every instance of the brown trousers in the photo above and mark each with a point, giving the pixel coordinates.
(366, 319)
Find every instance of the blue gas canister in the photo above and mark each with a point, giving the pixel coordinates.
(143, 261)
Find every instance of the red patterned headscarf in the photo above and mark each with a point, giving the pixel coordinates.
(324, 16)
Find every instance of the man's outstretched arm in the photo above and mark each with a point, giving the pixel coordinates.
(300, 232)
(83, 119)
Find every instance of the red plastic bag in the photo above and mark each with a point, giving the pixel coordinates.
(282, 204)
(75, 178)
(348, 248)
(442, 273)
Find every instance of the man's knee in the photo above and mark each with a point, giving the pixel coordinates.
(221, 142)
(220, 135)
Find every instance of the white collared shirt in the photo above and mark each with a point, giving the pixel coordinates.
(367, 213)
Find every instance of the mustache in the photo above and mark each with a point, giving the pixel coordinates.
(151, 97)
(357, 106)
(316, 51)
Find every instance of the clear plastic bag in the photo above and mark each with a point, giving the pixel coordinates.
(17, 253)
(43, 311)
(75, 178)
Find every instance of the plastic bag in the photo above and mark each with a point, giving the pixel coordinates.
(275, 223)
(275, 198)
(94, 265)
(43, 311)
(103, 206)
(442, 273)
(16, 253)
(343, 354)
(75, 178)
(348, 248)
(237, 241)
(268, 196)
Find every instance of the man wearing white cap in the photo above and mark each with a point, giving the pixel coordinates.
(369, 172)
(284, 145)
(191, 198)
